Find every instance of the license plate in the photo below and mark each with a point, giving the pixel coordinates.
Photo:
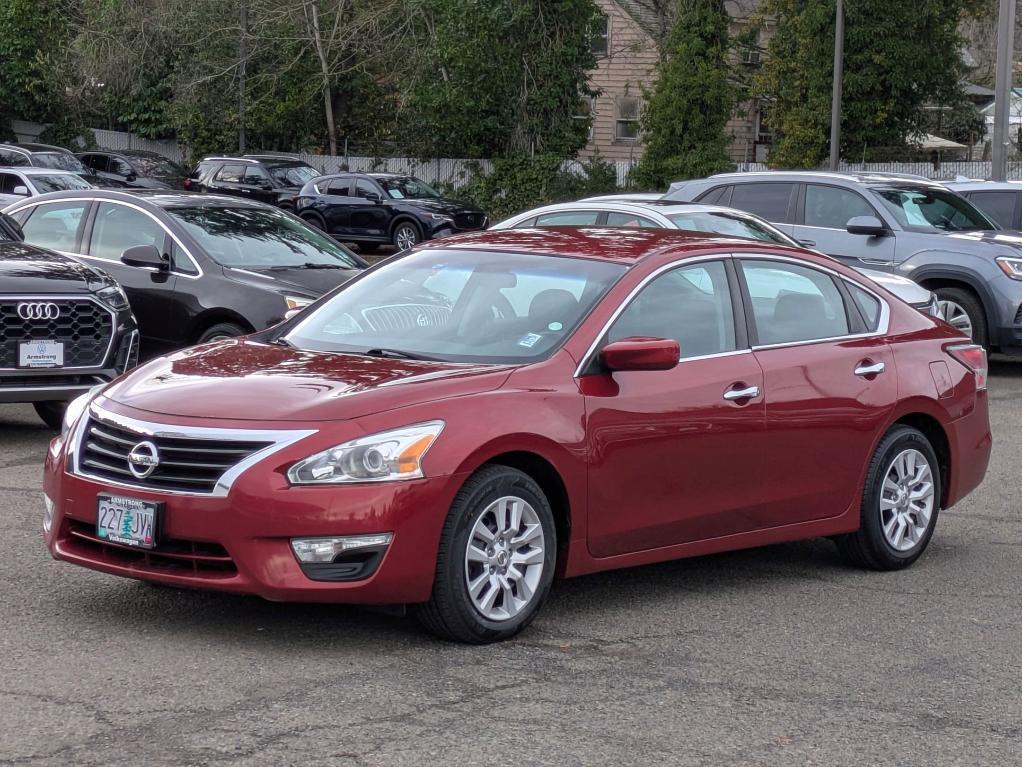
(41, 354)
(128, 521)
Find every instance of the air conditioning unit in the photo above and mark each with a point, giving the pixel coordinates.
(751, 57)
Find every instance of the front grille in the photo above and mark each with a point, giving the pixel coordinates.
(1018, 316)
(469, 220)
(186, 464)
(173, 557)
(82, 325)
(406, 316)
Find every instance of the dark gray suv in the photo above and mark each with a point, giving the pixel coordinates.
(902, 224)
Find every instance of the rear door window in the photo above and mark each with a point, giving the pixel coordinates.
(1000, 206)
(54, 225)
(339, 187)
(716, 196)
(767, 200)
(256, 176)
(569, 218)
(231, 174)
(792, 303)
(614, 218)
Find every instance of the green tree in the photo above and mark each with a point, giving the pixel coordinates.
(686, 112)
(499, 78)
(900, 56)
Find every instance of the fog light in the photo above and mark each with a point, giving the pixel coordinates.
(324, 550)
(47, 513)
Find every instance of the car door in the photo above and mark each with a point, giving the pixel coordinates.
(675, 455)
(228, 180)
(370, 214)
(119, 169)
(829, 380)
(55, 225)
(774, 201)
(113, 228)
(335, 204)
(258, 185)
(821, 223)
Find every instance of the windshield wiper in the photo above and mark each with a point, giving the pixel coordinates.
(281, 341)
(396, 354)
(306, 265)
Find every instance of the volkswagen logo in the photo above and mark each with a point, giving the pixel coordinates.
(143, 459)
(38, 310)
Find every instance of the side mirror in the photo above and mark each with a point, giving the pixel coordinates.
(21, 190)
(869, 226)
(130, 177)
(145, 256)
(641, 354)
(373, 197)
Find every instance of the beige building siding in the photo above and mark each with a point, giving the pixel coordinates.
(629, 65)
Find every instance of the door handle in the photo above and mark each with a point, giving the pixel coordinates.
(867, 368)
(747, 393)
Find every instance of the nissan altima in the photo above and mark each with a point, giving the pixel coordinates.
(460, 423)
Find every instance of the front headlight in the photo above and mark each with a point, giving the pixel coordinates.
(76, 407)
(389, 455)
(1011, 267)
(297, 302)
(440, 217)
(113, 296)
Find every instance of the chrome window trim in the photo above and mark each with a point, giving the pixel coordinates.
(125, 203)
(281, 438)
(60, 297)
(885, 310)
(587, 357)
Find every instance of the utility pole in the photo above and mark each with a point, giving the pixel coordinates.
(242, 62)
(835, 97)
(1002, 90)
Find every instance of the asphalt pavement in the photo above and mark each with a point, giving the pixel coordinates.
(776, 656)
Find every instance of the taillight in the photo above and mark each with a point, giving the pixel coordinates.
(974, 357)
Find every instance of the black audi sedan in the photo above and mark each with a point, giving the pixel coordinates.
(195, 267)
(378, 208)
(64, 326)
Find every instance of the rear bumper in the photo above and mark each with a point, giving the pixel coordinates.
(970, 442)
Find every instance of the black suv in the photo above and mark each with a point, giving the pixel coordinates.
(376, 208)
(64, 326)
(272, 179)
(135, 168)
(196, 267)
(54, 157)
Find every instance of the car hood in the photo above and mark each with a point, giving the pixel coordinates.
(908, 291)
(310, 282)
(247, 380)
(982, 240)
(27, 269)
(440, 205)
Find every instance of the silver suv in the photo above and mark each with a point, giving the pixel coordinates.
(902, 224)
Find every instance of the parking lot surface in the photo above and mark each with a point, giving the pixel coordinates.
(777, 656)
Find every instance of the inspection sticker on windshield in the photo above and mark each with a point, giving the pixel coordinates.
(529, 340)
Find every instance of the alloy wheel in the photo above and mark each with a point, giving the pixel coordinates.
(956, 316)
(405, 237)
(906, 500)
(504, 558)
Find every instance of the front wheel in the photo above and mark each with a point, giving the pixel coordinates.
(221, 331)
(405, 235)
(52, 413)
(900, 503)
(495, 561)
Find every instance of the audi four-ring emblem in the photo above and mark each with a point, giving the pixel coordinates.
(38, 310)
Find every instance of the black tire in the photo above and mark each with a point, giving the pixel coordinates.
(405, 229)
(450, 613)
(52, 413)
(314, 220)
(868, 547)
(973, 307)
(220, 331)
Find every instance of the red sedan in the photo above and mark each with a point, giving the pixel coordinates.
(460, 423)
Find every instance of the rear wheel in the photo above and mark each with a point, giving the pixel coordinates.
(496, 559)
(52, 413)
(900, 503)
(963, 310)
(220, 331)
(314, 220)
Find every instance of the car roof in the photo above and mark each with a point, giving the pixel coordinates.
(663, 207)
(256, 159)
(972, 184)
(30, 147)
(855, 177)
(627, 246)
(35, 170)
(125, 152)
(157, 198)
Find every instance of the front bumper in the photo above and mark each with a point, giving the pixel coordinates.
(240, 542)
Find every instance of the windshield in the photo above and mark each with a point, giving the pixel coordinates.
(293, 175)
(157, 166)
(58, 161)
(927, 210)
(401, 187)
(461, 306)
(58, 183)
(731, 226)
(255, 238)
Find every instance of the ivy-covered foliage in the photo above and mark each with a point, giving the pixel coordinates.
(900, 55)
(500, 77)
(686, 113)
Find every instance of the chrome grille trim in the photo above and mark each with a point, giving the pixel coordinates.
(14, 298)
(77, 465)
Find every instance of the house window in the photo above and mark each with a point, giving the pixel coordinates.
(585, 112)
(626, 126)
(600, 42)
(764, 134)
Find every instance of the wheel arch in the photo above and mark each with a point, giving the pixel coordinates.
(932, 278)
(924, 416)
(401, 218)
(211, 317)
